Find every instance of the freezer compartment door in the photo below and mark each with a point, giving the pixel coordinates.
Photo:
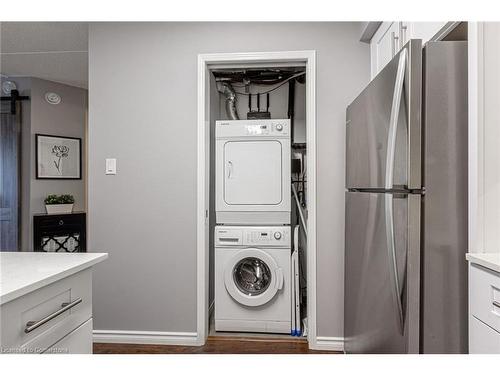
(383, 126)
(380, 275)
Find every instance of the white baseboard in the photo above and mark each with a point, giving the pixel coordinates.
(329, 343)
(146, 337)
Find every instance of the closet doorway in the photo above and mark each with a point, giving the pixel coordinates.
(206, 64)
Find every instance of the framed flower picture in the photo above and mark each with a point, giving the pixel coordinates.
(58, 157)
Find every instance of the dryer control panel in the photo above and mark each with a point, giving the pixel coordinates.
(253, 236)
(275, 128)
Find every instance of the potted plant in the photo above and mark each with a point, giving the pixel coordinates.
(59, 204)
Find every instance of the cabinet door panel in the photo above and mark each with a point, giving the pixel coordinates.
(384, 45)
(78, 341)
(484, 288)
(483, 339)
(42, 303)
(424, 30)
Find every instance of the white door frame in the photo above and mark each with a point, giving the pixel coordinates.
(205, 63)
(475, 46)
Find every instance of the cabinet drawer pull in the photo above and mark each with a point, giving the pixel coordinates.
(496, 304)
(393, 44)
(32, 325)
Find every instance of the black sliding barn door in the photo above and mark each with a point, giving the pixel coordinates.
(10, 157)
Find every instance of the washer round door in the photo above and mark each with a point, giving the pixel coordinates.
(252, 277)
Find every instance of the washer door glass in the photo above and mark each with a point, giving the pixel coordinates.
(252, 276)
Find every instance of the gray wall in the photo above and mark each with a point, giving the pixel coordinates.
(145, 216)
(64, 119)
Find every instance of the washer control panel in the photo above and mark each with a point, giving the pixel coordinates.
(271, 236)
(252, 236)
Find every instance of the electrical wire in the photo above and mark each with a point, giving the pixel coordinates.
(274, 88)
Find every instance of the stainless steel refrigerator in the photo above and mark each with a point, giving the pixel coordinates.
(406, 205)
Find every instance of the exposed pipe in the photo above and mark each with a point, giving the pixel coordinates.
(230, 94)
(291, 107)
(299, 208)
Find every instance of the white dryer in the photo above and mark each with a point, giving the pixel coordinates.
(252, 279)
(252, 172)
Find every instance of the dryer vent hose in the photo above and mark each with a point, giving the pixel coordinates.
(230, 94)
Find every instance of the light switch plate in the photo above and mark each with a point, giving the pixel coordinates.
(110, 166)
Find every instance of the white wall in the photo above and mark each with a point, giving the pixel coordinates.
(142, 110)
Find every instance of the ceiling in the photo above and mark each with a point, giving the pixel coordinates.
(56, 51)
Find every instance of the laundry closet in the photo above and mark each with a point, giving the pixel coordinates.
(258, 201)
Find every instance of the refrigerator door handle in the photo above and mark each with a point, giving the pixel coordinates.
(393, 122)
(389, 172)
(391, 247)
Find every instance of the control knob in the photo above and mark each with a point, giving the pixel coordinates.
(279, 127)
(277, 235)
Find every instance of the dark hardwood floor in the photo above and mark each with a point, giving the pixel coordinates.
(216, 345)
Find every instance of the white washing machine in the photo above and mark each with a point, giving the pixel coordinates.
(252, 172)
(252, 279)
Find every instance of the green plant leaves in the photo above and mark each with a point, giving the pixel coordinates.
(59, 199)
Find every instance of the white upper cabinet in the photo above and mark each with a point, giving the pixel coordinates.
(421, 30)
(392, 36)
(384, 45)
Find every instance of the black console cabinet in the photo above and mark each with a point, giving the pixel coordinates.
(60, 233)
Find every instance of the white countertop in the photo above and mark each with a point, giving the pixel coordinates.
(24, 272)
(488, 260)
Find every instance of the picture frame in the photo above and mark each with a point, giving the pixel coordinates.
(58, 157)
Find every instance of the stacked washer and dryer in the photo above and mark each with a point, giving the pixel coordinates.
(252, 235)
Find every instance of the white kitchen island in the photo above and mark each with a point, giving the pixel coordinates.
(46, 302)
(484, 303)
